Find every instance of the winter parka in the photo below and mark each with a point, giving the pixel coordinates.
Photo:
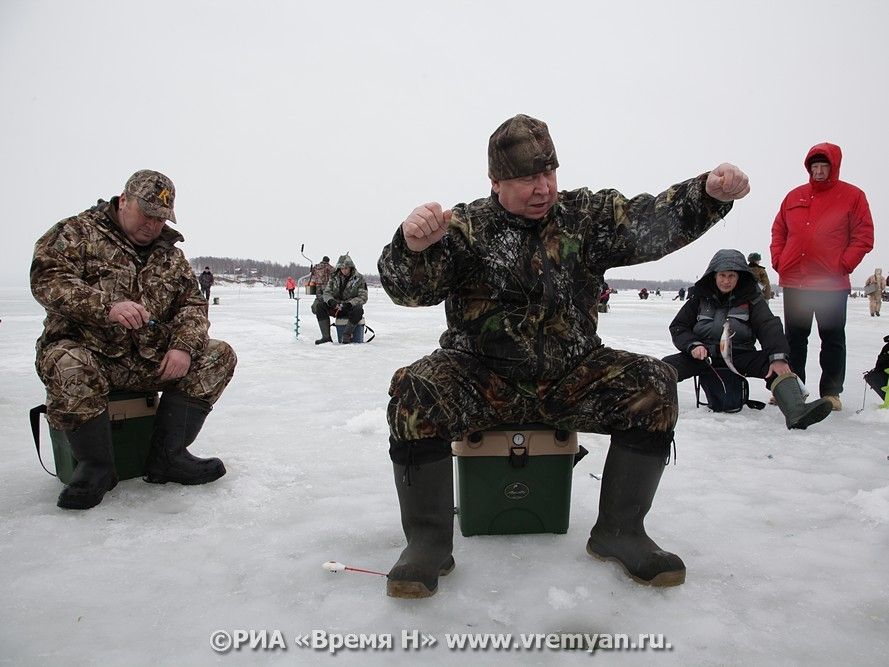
(521, 296)
(320, 275)
(761, 278)
(205, 279)
(822, 231)
(351, 288)
(876, 278)
(85, 264)
(701, 319)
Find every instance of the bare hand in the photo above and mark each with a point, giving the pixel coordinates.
(727, 183)
(779, 367)
(699, 352)
(174, 365)
(425, 226)
(129, 314)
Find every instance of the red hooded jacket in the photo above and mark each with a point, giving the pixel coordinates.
(822, 231)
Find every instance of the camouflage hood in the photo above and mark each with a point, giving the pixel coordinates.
(341, 287)
(344, 261)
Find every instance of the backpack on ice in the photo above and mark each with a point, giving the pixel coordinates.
(877, 378)
(725, 390)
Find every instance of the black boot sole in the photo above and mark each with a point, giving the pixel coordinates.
(164, 479)
(82, 503)
(661, 580)
(813, 417)
(413, 590)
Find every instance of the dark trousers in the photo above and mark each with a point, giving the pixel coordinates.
(829, 310)
(750, 363)
(322, 312)
(206, 292)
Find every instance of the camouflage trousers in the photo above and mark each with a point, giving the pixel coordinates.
(78, 380)
(447, 394)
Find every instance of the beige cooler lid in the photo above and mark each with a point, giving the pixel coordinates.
(500, 443)
(131, 408)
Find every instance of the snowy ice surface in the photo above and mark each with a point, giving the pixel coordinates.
(785, 533)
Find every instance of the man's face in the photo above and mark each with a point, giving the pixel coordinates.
(819, 170)
(726, 281)
(528, 196)
(346, 270)
(140, 229)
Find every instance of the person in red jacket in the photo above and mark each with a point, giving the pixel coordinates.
(821, 233)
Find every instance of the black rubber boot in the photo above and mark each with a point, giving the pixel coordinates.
(348, 332)
(177, 423)
(324, 325)
(94, 475)
(798, 413)
(426, 496)
(629, 482)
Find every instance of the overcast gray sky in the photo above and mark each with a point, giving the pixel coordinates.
(325, 123)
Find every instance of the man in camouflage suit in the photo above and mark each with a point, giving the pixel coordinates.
(319, 277)
(759, 275)
(320, 274)
(124, 311)
(344, 295)
(520, 272)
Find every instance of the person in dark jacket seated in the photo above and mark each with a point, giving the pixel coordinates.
(728, 293)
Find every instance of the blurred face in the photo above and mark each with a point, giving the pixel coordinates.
(346, 270)
(820, 171)
(140, 229)
(726, 281)
(528, 196)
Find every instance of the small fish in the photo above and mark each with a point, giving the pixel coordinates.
(725, 347)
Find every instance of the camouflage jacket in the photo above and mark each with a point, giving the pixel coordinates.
(521, 295)
(342, 288)
(321, 273)
(762, 279)
(85, 264)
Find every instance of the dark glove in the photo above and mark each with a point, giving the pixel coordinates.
(331, 303)
(345, 307)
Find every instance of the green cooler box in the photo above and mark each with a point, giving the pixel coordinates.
(132, 421)
(515, 480)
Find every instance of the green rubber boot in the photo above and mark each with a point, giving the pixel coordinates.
(426, 496)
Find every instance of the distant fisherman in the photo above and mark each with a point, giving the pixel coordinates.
(520, 273)
(723, 321)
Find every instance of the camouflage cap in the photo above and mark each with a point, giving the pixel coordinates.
(521, 146)
(155, 193)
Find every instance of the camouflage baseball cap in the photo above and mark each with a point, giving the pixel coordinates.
(521, 146)
(155, 192)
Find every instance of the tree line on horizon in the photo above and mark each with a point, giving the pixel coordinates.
(269, 271)
(254, 269)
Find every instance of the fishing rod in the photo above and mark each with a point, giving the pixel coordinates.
(718, 376)
(333, 566)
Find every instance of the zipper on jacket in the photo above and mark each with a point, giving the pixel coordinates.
(546, 273)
